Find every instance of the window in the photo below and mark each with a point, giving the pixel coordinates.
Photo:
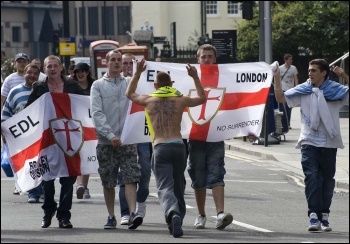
(212, 7)
(232, 8)
(108, 20)
(93, 21)
(16, 34)
(123, 20)
(82, 21)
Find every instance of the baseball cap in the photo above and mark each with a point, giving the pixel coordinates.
(81, 66)
(21, 55)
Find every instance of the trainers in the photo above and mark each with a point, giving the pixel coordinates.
(86, 194)
(315, 224)
(33, 200)
(16, 192)
(46, 221)
(141, 209)
(223, 220)
(324, 222)
(125, 220)
(135, 221)
(64, 223)
(80, 189)
(176, 226)
(200, 222)
(111, 223)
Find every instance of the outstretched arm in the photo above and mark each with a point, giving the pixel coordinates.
(130, 90)
(201, 98)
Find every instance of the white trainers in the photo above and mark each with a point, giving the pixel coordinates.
(86, 194)
(125, 220)
(324, 223)
(141, 209)
(315, 224)
(200, 222)
(223, 220)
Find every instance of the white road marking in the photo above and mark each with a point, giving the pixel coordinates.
(248, 226)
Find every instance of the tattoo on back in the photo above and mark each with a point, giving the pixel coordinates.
(165, 110)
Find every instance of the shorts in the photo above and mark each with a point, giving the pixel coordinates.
(206, 165)
(122, 160)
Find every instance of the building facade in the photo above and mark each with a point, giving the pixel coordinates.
(29, 26)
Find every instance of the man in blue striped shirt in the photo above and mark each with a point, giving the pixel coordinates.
(15, 102)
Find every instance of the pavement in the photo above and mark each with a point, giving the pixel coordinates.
(289, 157)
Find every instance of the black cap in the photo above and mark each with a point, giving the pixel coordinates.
(81, 66)
(22, 56)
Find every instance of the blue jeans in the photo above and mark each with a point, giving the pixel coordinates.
(206, 165)
(319, 166)
(66, 195)
(36, 192)
(144, 160)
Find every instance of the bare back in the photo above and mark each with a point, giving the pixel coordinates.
(166, 115)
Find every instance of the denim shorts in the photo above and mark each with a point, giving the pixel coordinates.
(112, 161)
(206, 165)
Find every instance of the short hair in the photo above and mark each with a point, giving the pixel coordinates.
(128, 55)
(52, 57)
(322, 64)
(163, 79)
(31, 65)
(108, 55)
(71, 67)
(287, 56)
(206, 47)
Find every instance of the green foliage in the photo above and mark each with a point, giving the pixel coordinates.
(6, 66)
(319, 28)
(193, 39)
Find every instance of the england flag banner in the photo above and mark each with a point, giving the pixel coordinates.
(236, 98)
(53, 137)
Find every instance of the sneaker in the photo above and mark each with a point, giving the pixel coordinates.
(315, 224)
(16, 192)
(33, 200)
(200, 222)
(135, 221)
(86, 194)
(223, 220)
(80, 189)
(141, 209)
(324, 222)
(176, 226)
(125, 220)
(66, 224)
(111, 223)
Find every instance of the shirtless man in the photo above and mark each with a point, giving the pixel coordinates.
(169, 153)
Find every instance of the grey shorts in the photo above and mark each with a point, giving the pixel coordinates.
(122, 160)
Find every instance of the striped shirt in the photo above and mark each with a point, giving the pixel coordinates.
(15, 101)
(10, 82)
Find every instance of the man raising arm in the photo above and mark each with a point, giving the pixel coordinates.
(164, 108)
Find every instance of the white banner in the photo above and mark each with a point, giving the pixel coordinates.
(53, 137)
(236, 98)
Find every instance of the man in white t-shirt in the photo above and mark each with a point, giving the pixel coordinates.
(16, 78)
(289, 79)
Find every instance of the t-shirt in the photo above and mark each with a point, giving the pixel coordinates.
(16, 100)
(288, 76)
(319, 137)
(10, 82)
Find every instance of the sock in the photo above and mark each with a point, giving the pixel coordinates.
(221, 212)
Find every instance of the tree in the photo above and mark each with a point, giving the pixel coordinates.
(319, 28)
